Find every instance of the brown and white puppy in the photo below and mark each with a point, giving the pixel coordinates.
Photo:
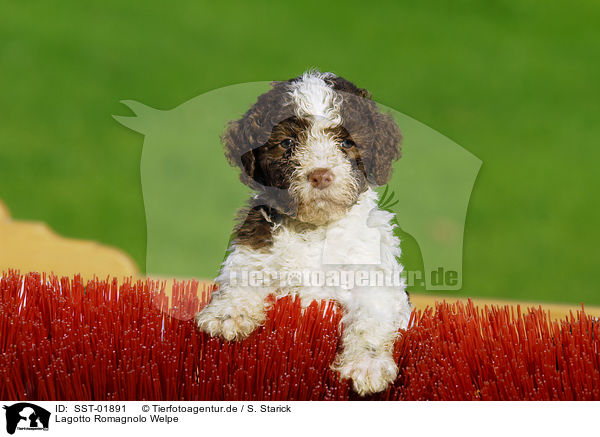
(312, 148)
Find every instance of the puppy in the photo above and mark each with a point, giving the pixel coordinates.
(312, 148)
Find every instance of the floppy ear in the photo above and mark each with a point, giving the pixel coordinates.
(238, 142)
(243, 136)
(249, 163)
(252, 174)
(385, 148)
(376, 134)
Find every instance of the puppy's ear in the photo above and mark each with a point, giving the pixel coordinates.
(243, 136)
(385, 148)
(249, 163)
(376, 134)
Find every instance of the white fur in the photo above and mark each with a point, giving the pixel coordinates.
(372, 315)
(312, 97)
(316, 101)
(318, 206)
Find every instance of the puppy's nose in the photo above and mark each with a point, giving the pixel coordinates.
(321, 178)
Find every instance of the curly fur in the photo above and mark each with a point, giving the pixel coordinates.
(317, 123)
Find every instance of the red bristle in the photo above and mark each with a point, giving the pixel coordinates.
(63, 340)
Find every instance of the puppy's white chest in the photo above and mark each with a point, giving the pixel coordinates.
(349, 241)
(295, 251)
(352, 242)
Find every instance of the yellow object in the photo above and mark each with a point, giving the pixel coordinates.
(34, 247)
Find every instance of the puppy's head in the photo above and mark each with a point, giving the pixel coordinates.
(312, 144)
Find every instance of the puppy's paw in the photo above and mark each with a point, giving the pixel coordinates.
(229, 322)
(369, 374)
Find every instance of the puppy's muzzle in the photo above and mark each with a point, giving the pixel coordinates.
(321, 178)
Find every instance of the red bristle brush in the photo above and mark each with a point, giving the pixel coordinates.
(61, 339)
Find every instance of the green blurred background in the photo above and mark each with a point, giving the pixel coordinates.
(514, 82)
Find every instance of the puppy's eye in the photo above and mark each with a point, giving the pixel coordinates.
(286, 144)
(348, 144)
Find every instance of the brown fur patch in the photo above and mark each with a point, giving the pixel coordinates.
(255, 230)
(254, 129)
(376, 134)
(272, 162)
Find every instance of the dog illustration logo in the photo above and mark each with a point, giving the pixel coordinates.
(185, 176)
(26, 416)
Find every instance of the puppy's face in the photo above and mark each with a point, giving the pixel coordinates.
(312, 144)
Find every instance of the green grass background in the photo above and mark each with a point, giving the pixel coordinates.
(514, 82)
